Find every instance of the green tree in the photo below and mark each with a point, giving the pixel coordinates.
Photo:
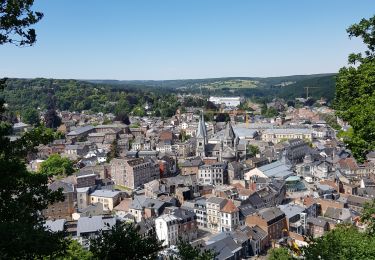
(252, 150)
(187, 252)
(23, 196)
(368, 217)
(124, 242)
(343, 242)
(122, 117)
(75, 251)
(31, 116)
(222, 117)
(355, 91)
(139, 111)
(56, 165)
(281, 253)
(51, 119)
(16, 17)
(113, 152)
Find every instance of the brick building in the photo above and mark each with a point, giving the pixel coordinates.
(133, 173)
(272, 220)
(62, 209)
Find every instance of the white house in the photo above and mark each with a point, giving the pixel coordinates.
(166, 227)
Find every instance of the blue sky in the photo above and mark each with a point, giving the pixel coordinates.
(175, 39)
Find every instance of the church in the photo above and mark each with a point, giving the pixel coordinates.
(224, 145)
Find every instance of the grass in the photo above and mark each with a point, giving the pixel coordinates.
(122, 188)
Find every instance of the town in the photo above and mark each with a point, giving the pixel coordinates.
(238, 187)
(187, 130)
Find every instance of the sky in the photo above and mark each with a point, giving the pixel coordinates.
(180, 39)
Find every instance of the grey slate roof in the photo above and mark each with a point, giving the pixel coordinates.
(291, 210)
(94, 224)
(276, 169)
(217, 200)
(228, 132)
(55, 225)
(80, 130)
(67, 187)
(270, 213)
(321, 222)
(338, 214)
(105, 193)
(201, 131)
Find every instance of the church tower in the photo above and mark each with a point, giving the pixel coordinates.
(201, 138)
(229, 136)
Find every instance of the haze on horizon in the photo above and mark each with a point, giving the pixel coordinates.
(160, 40)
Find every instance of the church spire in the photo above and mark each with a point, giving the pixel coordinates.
(202, 131)
(201, 137)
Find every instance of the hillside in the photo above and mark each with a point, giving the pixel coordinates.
(130, 96)
(289, 87)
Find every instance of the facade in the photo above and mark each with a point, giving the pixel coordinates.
(213, 174)
(108, 198)
(294, 150)
(272, 220)
(175, 224)
(86, 179)
(277, 135)
(191, 166)
(83, 198)
(214, 206)
(133, 173)
(62, 209)
(228, 101)
(230, 217)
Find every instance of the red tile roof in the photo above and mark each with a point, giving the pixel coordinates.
(229, 207)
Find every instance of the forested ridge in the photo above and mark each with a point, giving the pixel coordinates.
(131, 96)
(74, 95)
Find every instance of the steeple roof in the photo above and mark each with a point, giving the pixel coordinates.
(201, 132)
(228, 132)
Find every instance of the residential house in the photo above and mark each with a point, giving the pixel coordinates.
(108, 198)
(230, 217)
(191, 166)
(272, 220)
(174, 224)
(214, 205)
(316, 227)
(213, 174)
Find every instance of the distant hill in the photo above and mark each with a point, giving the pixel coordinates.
(288, 87)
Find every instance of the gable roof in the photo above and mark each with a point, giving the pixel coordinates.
(229, 207)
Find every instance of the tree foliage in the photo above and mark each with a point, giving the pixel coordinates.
(368, 217)
(16, 17)
(222, 117)
(344, 242)
(56, 165)
(113, 151)
(281, 253)
(51, 119)
(268, 112)
(31, 116)
(23, 196)
(75, 251)
(188, 252)
(355, 91)
(122, 117)
(124, 242)
(252, 149)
